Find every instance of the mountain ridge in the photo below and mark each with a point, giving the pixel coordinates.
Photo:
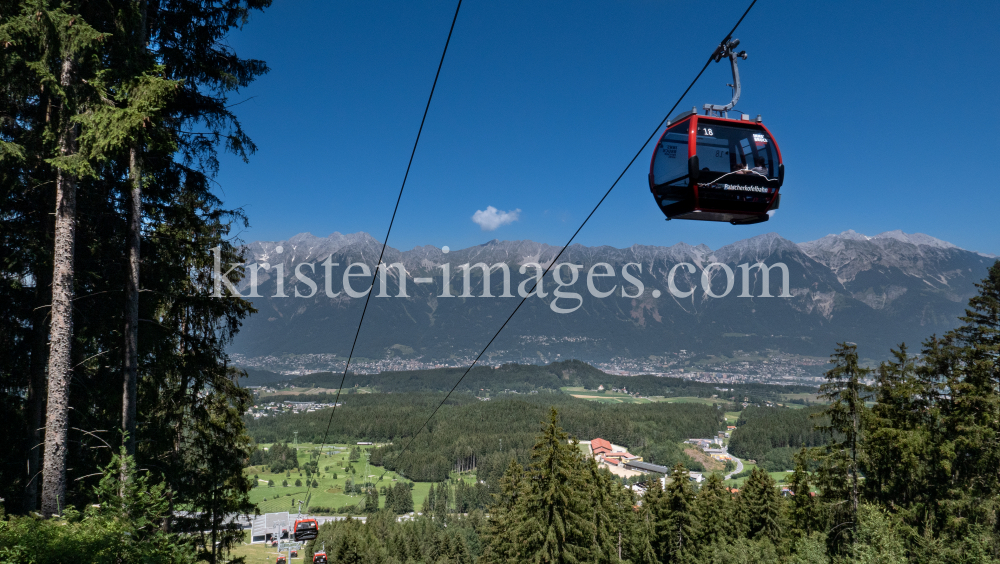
(875, 290)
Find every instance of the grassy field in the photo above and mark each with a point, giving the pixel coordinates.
(706, 401)
(603, 397)
(781, 478)
(259, 553)
(330, 492)
(614, 397)
(811, 398)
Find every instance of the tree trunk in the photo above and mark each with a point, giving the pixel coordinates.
(131, 376)
(130, 395)
(61, 331)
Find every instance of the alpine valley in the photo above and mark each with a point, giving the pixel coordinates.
(875, 291)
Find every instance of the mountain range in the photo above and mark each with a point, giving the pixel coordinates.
(875, 291)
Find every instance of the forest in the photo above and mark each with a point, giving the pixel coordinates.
(467, 433)
(115, 384)
(771, 436)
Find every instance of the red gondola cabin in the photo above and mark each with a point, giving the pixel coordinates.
(319, 558)
(280, 560)
(716, 169)
(306, 529)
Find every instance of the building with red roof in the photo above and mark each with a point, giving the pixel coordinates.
(599, 446)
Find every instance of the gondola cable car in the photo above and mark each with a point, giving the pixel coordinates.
(305, 529)
(712, 168)
(319, 558)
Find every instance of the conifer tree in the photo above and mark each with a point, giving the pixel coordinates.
(644, 540)
(657, 516)
(371, 499)
(402, 498)
(683, 527)
(57, 47)
(762, 506)
(803, 512)
(554, 526)
(441, 504)
(502, 544)
(846, 391)
(899, 438)
(714, 511)
(606, 515)
(390, 500)
(966, 359)
(429, 504)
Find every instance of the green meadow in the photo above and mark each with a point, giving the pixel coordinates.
(334, 470)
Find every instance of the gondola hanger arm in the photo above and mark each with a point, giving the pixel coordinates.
(727, 49)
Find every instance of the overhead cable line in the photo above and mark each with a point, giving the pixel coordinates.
(385, 241)
(575, 233)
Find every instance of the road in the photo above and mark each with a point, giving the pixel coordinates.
(739, 468)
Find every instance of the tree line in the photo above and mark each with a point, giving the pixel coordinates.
(278, 458)
(112, 116)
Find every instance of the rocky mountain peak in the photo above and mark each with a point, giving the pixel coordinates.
(915, 239)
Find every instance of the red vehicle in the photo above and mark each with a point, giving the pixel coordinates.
(306, 529)
(319, 558)
(713, 168)
(716, 169)
(294, 554)
(280, 560)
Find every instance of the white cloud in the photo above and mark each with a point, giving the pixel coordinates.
(491, 218)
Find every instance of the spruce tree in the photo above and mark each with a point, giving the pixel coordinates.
(441, 504)
(371, 499)
(803, 512)
(683, 527)
(502, 543)
(846, 391)
(429, 502)
(657, 517)
(967, 361)
(714, 509)
(390, 500)
(57, 49)
(899, 439)
(643, 539)
(605, 514)
(763, 507)
(555, 527)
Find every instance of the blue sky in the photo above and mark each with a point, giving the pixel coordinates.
(883, 112)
